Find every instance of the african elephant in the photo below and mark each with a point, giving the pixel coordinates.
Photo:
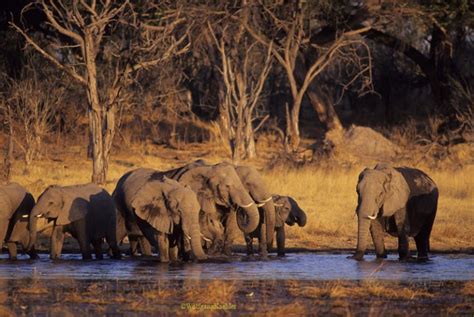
(258, 190)
(166, 212)
(86, 211)
(15, 208)
(286, 211)
(220, 191)
(401, 201)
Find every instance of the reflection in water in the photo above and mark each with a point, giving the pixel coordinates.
(302, 266)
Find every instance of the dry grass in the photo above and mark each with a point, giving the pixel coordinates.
(346, 290)
(468, 289)
(217, 291)
(326, 193)
(329, 198)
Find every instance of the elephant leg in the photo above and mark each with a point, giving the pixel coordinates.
(133, 240)
(249, 243)
(111, 240)
(56, 244)
(262, 239)
(377, 233)
(79, 231)
(32, 253)
(421, 241)
(163, 246)
(229, 234)
(280, 237)
(403, 245)
(145, 246)
(173, 253)
(98, 249)
(12, 250)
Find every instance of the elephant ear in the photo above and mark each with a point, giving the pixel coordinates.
(149, 204)
(72, 208)
(6, 207)
(396, 190)
(173, 197)
(282, 208)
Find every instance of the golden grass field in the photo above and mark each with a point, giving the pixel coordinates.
(326, 192)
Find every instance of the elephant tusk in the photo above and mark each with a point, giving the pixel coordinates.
(266, 200)
(278, 205)
(24, 216)
(187, 237)
(205, 239)
(247, 206)
(39, 216)
(372, 217)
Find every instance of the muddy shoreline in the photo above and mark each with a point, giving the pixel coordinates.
(68, 297)
(239, 285)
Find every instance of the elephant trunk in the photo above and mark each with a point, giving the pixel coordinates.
(32, 227)
(269, 212)
(301, 218)
(363, 234)
(248, 218)
(196, 245)
(191, 229)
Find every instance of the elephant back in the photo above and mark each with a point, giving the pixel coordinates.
(12, 195)
(418, 182)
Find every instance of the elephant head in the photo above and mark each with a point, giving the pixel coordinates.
(258, 189)
(165, 204)
(381, 192)
(58, 205)
(221, 185)
(288, 211)
(212, 231)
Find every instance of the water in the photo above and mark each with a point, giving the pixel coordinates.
(298, 266)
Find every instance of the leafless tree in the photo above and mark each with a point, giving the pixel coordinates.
(288, 51)
(244, 69)
(86, 40)
(29, 107)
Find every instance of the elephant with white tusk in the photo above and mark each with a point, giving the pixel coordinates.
(402, 201)
(223, 197)
(260, 193)
(287, 211)
(166, 212)
(86, 211)
(16, 204)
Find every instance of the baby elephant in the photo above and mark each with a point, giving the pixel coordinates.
(87, 212)
(287, 211)
(15, 207)
(401, 201)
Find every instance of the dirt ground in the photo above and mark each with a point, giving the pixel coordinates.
(227, 297)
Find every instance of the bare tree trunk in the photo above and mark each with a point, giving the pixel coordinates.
(99, 172)
(8, 159)
(325, 110)
(249, 140)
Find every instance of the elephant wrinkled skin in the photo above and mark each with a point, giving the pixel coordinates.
(87, 212)
(402, 201)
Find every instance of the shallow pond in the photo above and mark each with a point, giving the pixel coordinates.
(296, 266)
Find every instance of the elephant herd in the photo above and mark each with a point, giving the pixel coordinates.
(195, 211)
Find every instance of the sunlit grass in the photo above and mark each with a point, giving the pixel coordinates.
(327, 193)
